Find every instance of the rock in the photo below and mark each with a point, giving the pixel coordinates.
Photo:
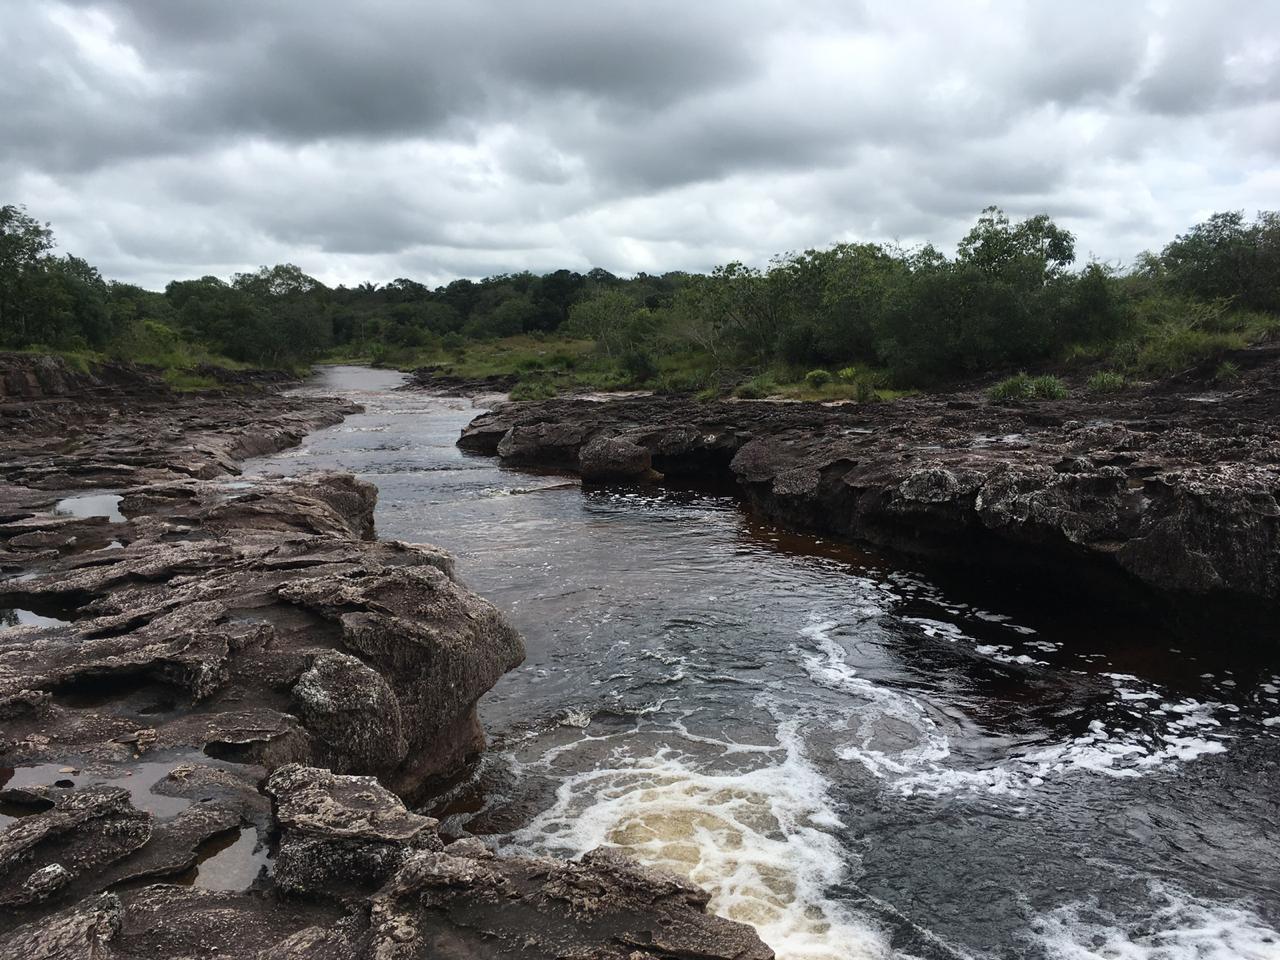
(45, 882)
(219, 640)
(614, 458)
(442, 383)
(409, 624)
(342, 837)
(271, 590)
(352, 708)
(1153, 497)
(84, 833)
(81, 933)
(604, 906)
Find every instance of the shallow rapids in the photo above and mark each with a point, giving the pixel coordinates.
(857, 760)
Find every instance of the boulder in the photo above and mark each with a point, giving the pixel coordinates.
(605, 459)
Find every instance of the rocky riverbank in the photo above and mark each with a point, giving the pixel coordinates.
(217, 697)
(1168, 497)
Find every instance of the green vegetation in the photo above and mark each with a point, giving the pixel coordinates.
(884, 318)
(1106, 381)
(1227, 373)
(1024, 387)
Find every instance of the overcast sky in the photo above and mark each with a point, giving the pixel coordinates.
(371, 140)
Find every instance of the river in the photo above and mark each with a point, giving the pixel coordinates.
(849, 755)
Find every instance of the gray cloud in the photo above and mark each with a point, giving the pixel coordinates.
(179, 137)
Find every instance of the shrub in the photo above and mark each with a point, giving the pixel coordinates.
(1168, 352)
(865, 391)
(639, 365)
(681, 382)
(1048, 387)
(1012, 388)
(1106, 381)
(757, 388)
(562, 360)
(453, 343)
(1023, 387)
(1226, 373)
(536, 388)
(817, 378)
(848, 374)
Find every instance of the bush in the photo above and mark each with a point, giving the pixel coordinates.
(562, 361)
(817, 378)
(848, 374)
(639, 365)
(1226, 373)
(1023, 387)
(1012, 388)
(453, 343)
(865, 391)
(757, 388)
(1167, 352)
(1106, 381)
(1048, 388)
(537, 388)
(681, 382)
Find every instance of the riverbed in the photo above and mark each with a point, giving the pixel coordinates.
(855, 758)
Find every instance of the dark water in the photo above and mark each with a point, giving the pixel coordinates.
(861, 764)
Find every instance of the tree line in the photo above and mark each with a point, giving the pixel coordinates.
(1011, 295)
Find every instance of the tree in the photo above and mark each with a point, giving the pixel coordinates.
(614, 320)
(1226, 258)
(507, 318)
(24, 246)
(996, 246)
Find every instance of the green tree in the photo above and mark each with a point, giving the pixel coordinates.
(614, 320)
(24, 246)
(1227, 258)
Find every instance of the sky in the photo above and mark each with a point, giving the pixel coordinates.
(363, 141)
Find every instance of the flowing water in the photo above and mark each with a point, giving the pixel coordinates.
(856, 759)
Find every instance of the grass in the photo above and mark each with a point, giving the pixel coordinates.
(1106, 381)
(1024, 387)
(157, 347)
(857, 383)
(1228, 373)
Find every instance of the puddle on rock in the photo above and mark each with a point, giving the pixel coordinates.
(15, 617)
(102, 504)
(136, 778)
(230, 861)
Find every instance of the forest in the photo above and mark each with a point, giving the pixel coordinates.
(856, 319)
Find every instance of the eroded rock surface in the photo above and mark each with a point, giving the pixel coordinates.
(214, 696)
(1171, 491)
(359, 877)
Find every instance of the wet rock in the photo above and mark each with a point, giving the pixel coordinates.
(604, 459)
(352, 708)
(414, 624)
(80, 933)
(1153, 495)
(604, 906)
(342, 836)
(445, 384)
(360, 654)
(84, 833)
(214, 647)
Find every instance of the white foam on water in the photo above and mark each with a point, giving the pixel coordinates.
(1173, 733)
(1177, 927)
(761, 840)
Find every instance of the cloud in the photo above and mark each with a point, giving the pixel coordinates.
(174, 138)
